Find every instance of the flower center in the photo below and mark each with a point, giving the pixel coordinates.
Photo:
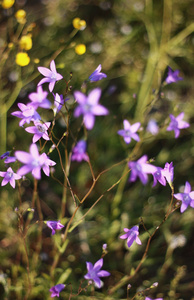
(41, 128)
(186, 198)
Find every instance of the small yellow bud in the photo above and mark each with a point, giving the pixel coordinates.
(22, 59)
(79, 24)
(10, 45)
(26, 42)
(21, 16)
(80, 49)
(7, 3)
(36, 60)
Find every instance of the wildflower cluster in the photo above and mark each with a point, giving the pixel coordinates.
(88, 108)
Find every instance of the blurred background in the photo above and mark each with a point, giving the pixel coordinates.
(135, 42)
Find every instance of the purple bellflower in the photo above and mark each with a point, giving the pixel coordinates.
(131, 235)
(147, 298)
(79, 152)
(54, 225)
(39, 99)
(159, 176)
(8, 159)
(9, 176)
(39, 130)
(51, 75)
(173, 76)
(177, 123)
(56, 289)
(129, 131)
(187, 197)
(168, 172)
(89, 107)
(152, 127)
(94, 272)
(97, 75)
(58, 103)
(141, 168)
(28, 113)
(33, 162)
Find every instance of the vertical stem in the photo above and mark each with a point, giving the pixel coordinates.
(3, 130)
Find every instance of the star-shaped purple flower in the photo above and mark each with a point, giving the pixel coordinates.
(141, 168)
(39, 130)
(28, 113)
(54, 225)
(94, 272)
(131, 235)
(56, 289)
(173, 76)
(129, 131)
(33, 162)
(79, 152)
(9, 176)
(187, 197)
(39, 99)
(89, 107)
(177, 123)
(51, 75)
(97, 75)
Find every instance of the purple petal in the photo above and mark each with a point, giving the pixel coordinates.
(89, 120)
(94, 96)
(98, 264)
(103, 273)
(99, 110)
(187, 187)
(80, 97)
(45, 71)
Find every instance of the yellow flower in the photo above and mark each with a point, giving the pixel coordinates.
(79, 24)
(21, 16)
(7, 3)
(80, 49)
(22, 59)
(26, 42)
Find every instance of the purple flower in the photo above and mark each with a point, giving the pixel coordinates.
(51, 75)
(54, 225)
(173, 76)
(89, 107)
(152, 127)
(39, 99)
(141, 168)
(55, 290)
(27, 114)
(147, 298)
(168, 172)
(39, 130)
(94, 272)
(8, 159)
(58, 104)
(177, 123)
(9, 176)
(33, 162)
(97, 75)
(129, 131)
(131, 235)
(79, 152)
(159, 176)
(187, 197)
